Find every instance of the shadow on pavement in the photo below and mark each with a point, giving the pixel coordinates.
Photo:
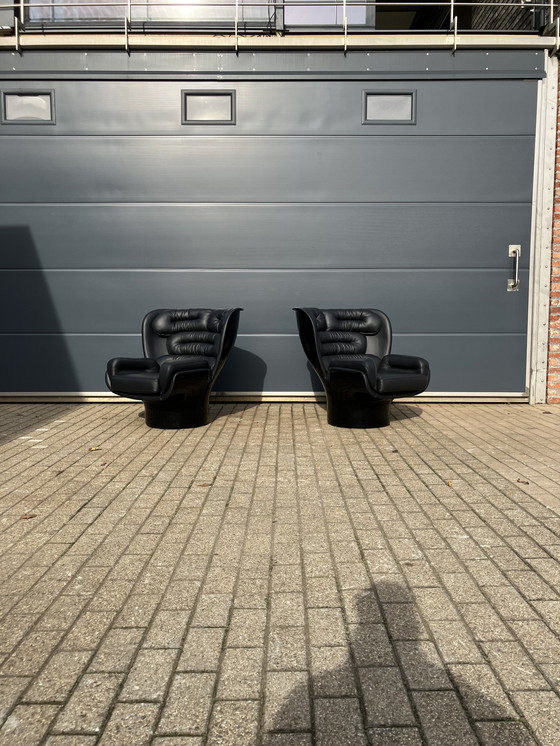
(22, 420)
(390, 687)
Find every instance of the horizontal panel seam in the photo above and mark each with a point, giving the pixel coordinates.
(301, 203)
(253, 270)
(265, 335)
(212, 137)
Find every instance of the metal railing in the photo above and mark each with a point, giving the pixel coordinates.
(280, 16)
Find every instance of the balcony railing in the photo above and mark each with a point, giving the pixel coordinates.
(280, 17)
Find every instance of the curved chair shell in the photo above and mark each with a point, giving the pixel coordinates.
(350, 350)
(185, 350)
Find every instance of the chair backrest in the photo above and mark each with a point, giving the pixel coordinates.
(343, 331)
(192, 331)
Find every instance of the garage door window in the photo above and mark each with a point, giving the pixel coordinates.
(208, 107)
(27, 108)
(383, 107)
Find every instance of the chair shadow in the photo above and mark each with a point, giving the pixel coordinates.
(391, 688)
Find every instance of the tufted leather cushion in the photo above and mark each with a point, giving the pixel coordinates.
(341, 343)
(195, 331)
(349, 319)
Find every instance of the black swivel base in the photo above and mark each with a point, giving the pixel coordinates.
(359, 411)
(177, 412)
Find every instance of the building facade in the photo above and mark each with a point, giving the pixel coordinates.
(409, 171)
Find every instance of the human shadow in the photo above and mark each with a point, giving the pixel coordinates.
(390, 685)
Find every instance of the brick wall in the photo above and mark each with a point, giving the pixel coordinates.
(553, 388)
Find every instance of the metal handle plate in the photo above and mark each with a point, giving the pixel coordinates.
(515, 252)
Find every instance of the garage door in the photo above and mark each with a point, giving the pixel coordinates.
(403, 195)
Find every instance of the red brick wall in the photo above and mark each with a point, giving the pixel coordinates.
(553, 387)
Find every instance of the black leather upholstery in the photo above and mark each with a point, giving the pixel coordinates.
(350, 350)
(185, 351)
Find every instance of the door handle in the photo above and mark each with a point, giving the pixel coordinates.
(513, 283)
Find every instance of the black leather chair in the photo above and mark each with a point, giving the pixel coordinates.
(185, 351)
(349, 349)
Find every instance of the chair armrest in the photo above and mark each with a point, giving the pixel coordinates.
(170, 369)
(406, 362)
(368, 365)
(122, 364)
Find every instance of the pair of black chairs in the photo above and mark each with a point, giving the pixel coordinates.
(185, 350)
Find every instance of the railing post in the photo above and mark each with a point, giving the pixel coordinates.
(236, 26)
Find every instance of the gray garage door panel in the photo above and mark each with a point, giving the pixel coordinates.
(275, 363)
(489, 107)
(420, 301)
(311, 169)
(263, 236)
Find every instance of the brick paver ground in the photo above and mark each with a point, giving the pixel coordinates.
(268, 580)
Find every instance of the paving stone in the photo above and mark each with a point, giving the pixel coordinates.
(385, 697)
(62, 613)
(326, 627)
(241, 674)
(498, 734)
(360, 607)
(130, 724)
(286, 649)
(462, 588)
(287, 739)
(541, 710)
(484, 623)
(59, 676)
(481, 691)
(486, 573)
(532, 587)
(550, 613)
(542, 644)
(287, 701)
(332, 672)
(338, 722)
(31, 653)
(87, 631)
(71, 741)
(513, 666)
(27, 725)
(247, 628)
(322, 593)
(86, 709)
(509, 604)
(149, 676)
(116, 651)
(167, 629)
(370, 644)
(187, 707)
(233, 723)
(177, 741)
(395, 737)
(404, 622)
(455, 643)
(434, 604)
(422, 665)
(202, 649)
(443, 719)
(10, 691)
(286, 610)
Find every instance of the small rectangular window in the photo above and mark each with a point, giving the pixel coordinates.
(28, 107)
(208, 107)
(389, 108)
